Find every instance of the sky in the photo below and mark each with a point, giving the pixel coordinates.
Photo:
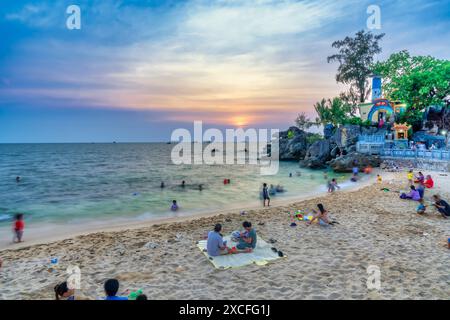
(137, 70)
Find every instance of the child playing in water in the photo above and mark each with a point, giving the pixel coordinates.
(332, 185)
(19, 225)
(174, 206)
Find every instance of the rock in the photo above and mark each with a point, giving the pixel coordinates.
(317, 155)
(346, 163)
(293, 144)
(179, 269)
(347, 135)
(334, 152)
(328, 131)
(150, 245)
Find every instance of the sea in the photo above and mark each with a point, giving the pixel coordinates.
(78, 184)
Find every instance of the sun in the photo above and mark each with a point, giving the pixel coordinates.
(240, 121)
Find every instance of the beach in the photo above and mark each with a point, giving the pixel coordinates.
(375, 228)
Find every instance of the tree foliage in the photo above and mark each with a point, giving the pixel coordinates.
(303, 122)
(334, 111)
(418, 81)
(355, 57)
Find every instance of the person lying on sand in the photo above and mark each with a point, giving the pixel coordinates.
(321, 216)
(247, 240)
(442, 206)
(215, 245)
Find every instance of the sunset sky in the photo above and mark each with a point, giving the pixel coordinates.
(139, 69)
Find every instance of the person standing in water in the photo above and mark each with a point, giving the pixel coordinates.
(17, 179)
(18, 227)
(174, 206)
(183, 184)
(265, 194)
(162, 185)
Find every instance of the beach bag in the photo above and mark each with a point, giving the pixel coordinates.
(236, 234)
(403, 196)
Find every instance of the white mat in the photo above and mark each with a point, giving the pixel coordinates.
(261, 255)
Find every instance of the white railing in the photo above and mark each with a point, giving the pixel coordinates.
(421, 154)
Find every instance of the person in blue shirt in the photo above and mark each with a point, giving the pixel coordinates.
(111, 288)
(421, 208)
(215, 246)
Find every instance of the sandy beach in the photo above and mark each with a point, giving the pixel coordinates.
(375, 228)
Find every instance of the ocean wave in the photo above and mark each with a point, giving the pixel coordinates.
(5, 217)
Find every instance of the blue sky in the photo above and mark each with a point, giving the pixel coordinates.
(139, 69)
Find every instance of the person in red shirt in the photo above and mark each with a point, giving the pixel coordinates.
(429, 183)
(19, 225)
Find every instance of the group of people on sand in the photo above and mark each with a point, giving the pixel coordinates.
(418, 184)
(111, 287)
(246, 241)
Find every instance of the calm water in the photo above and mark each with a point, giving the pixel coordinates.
(78, 183)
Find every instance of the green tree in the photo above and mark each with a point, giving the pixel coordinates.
(355, 57)
(303, 122)
(418, 81)
(334, 111)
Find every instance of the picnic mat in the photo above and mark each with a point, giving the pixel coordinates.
(261, 255)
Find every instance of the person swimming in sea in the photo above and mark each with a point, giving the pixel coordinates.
(162, 185)
(17, 179)
(200, 187)
(272, 190)
(174, 206)
(183, 184)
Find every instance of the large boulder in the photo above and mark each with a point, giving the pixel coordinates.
(317, 155)
(328, 130)
(346, 136)
(293, 144)
(347, 162)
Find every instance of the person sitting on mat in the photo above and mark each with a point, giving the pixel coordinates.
(247, 241)
(215, 246)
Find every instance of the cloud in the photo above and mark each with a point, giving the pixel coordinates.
(190, 58)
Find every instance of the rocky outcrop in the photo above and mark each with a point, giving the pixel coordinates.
(317, 155)
(338, 148)
(293, 144)
(347, 162)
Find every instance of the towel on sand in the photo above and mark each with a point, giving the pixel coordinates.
(261, 255)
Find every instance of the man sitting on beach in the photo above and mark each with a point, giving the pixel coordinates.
(247, 240)
(215, 245)
(442, 206)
